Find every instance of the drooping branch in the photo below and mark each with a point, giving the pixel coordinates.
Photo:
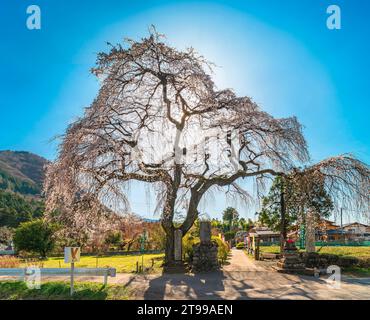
(346, 179)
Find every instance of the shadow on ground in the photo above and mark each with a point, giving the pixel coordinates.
(247, 285)
(188, 286)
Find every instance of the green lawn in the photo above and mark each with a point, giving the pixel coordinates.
(358, 252)
(120, 262)
(17, 290)
(270, 249)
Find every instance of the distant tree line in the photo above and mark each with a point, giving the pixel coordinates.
(231, 223)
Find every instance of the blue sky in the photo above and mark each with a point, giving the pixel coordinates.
(280, 53)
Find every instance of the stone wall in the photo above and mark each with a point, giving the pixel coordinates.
(315, 260)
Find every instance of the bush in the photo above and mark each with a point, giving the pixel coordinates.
(364, 263)
(223, 249)
(187, 246)
(113, 239)
(9, 262)
(230, 235)
(6, 235)
(240, 245)
(35, 236)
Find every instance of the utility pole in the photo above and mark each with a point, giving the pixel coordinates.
(341, 222)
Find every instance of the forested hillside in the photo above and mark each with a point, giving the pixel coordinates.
(15, 209)
(21, 172)
(21, 179)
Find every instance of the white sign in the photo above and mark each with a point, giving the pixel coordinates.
(72, 254)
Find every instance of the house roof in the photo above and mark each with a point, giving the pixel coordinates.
(328, 221)
(265, 233)
(354, 223)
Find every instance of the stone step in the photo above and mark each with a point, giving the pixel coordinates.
(301, 271)
(266, 255)
(177, 268)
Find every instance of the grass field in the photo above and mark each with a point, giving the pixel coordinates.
(358, 252)
(17, 290)
(120, 262)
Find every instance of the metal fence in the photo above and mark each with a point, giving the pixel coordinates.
(7, 252)
(93, 254)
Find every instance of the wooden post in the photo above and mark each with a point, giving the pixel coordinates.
(253, 245)
(257, 248)
(106, 278)
(72, 277)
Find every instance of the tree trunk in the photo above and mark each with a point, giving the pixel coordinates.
(168, 215)
(169, 251)
(170, 248)
(167, 223)
(129, 244)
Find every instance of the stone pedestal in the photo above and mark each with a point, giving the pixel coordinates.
(205, 257)
(178, 245)
(205, 253)
(178, 267)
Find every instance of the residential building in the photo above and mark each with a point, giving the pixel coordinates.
(265, 234)
(357, 231)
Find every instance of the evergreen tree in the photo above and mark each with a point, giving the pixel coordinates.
(230, 216)
(297, 201)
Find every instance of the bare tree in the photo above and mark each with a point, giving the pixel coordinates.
(131, 227)
(160, 120)
(83, 223)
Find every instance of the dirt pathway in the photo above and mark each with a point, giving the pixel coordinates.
(239, 261)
